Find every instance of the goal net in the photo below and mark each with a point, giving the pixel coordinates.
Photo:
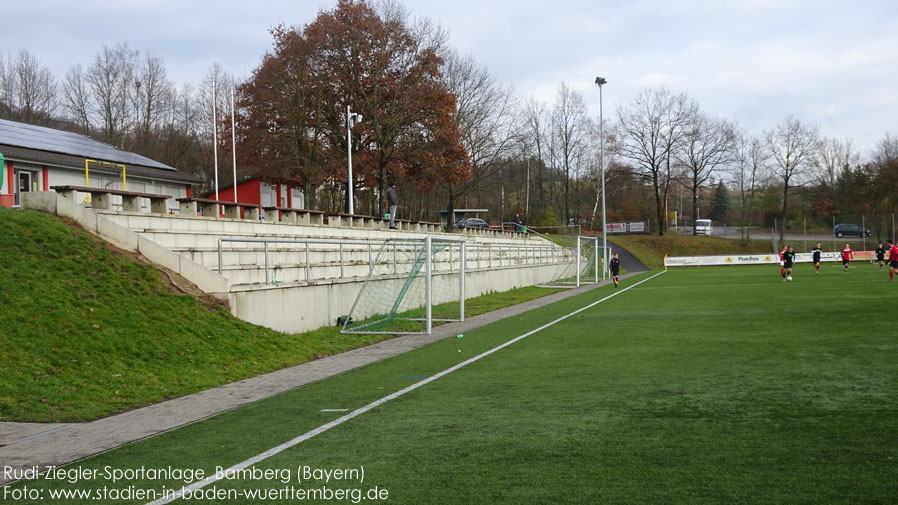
(581, 263)
(412, 284)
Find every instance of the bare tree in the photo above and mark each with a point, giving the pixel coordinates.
(792, 146)
(707, 145)
(832, 159)
(152, 96)
(485, 111)
(36, 89)
(750, 168)
(651, 128)
(108, 79)
(27, 89)
(535, 120)
(77, 99)
(886, 150)
(7, 86)
(570, 127)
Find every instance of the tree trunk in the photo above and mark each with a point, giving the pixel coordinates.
(450, 211)
(785, 202)
(694, 208)
(308, 195)
(659, 212)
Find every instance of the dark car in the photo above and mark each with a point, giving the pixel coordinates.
(850, 230)
(471, 222)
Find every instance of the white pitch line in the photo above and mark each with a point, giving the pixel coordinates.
(334, 410)
(355, 413)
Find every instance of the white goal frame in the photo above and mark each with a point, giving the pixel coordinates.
(428, 287)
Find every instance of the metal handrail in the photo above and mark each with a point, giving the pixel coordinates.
(308, 242)
(535, 253)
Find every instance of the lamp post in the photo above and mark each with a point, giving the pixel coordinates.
(599, 82)
(351, 120)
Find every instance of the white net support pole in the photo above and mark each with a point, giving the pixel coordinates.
(462, 265)
(428, 284)
(596, 252)
(578, 260)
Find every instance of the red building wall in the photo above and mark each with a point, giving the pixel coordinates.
(247, 192)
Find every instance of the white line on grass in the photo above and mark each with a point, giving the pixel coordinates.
(355, 413)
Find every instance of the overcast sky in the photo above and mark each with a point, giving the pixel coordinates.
(753, 61)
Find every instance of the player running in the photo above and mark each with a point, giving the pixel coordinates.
(880, 255)
(817, 250)
(847, 255)
(788, 261)
(614, 266)
(893, 260)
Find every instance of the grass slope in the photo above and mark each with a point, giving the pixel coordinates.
(721, 385)
(86, 332)
(650, 249)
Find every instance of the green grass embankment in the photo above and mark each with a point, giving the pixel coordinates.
(650, 249)
(87, 331)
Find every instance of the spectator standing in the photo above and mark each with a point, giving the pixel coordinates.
(393, 203)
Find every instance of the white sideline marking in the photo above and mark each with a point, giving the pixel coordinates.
(355, 413)
(334, 410)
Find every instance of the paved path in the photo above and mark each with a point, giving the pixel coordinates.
(23, 445)
(627, 261)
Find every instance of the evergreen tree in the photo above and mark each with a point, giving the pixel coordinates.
(720, 202)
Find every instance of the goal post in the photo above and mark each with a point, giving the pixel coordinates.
(411, 284)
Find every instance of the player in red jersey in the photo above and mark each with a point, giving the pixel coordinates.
(893, 259)
(847, 255)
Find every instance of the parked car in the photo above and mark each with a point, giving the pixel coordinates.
(850, 230)
(471, 222)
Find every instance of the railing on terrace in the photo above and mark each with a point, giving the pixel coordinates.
(477, 255)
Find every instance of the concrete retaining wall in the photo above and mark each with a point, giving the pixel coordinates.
(295, 309)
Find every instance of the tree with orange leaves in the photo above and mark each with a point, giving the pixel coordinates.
(376, 61)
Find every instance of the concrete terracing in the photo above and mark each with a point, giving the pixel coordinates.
(305, 286)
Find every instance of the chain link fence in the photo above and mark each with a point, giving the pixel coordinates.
(862, 232)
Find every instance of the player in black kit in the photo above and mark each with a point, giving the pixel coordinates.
(881, 255)
(817, 250)
(614, 266)
(788, 261)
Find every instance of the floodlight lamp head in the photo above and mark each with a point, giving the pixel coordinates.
(600, 81)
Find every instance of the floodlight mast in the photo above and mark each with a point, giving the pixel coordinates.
(215, 139)
(599, 82)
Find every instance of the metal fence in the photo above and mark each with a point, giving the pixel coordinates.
(862, 232)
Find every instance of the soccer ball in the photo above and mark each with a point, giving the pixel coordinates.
(789, 278)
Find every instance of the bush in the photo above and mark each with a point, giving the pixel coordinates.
(545, 217)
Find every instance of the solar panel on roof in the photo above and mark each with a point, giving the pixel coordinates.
(58, 141)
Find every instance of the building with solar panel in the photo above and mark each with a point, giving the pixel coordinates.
(36, 158)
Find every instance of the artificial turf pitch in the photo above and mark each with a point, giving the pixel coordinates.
(715, 385)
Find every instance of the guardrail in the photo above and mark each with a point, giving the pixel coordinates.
(497, 255)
